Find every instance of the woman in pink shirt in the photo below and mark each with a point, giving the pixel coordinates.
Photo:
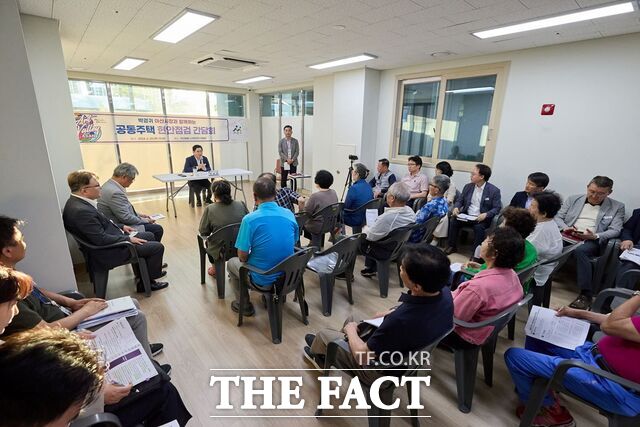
(490, 291)
(618, 352)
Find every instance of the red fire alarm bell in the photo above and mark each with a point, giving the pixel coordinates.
(548, 109)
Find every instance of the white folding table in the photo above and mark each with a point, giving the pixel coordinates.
(170, 179)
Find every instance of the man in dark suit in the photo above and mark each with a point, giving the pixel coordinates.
(479, 199)
(198, 163)
(630, 237)
(536, 182)
(288, 150)
(82, 218)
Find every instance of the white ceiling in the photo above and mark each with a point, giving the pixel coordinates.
(291, 34)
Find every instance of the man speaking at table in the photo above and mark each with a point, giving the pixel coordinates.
(198, 163)
(288, 149)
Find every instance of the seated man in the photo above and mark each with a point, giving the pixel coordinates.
(285, 196)
(490, 291)
(381, 182)
(115, 204)
(594, 218)
(536, 182)
(82, 218)
(359, 194)
(397, 215)
(425, 314)
(630, 237)
(266, 237)
(54, 374)
(198, 163)
(436, 207)
(416, 182)
(480, 199)
(46, 308)
(617, 352)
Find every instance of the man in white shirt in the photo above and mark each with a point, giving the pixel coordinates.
(594, 218)
(397, 215)
(479, 199)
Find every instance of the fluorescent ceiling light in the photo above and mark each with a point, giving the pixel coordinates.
(188, 22)
(472, 90)
(128, 63)
(345, 61)
(570, 18)
(253, 80)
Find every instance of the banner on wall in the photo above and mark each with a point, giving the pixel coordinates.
(92, 127)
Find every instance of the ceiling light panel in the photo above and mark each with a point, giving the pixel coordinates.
(185, 24)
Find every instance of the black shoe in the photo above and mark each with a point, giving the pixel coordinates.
(165, 265)
(162, 274)
(367, 272)
(155, 286)
(583, 302)
(314, 359)
(166, 368)
(156, 348)
(208, 201)
(248, 308)
(199, 203)
(450, 249)
(309, 339)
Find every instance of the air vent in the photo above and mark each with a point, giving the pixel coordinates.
(219, 62)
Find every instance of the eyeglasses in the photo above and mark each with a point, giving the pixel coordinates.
(92, 186)
(411, 164)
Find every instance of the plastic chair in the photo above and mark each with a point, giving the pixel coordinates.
(227, 236)
(604, 266)
(393, 243)
(629, 277)
(330, 216)
(371, 204)
(542, 294)
(524, 276)
(338, 259)
(427, 228)
(291, 271)
(301, 219)
(466, 359)
(543, 385)
(100, 276)
(419, 203)
(104, 419)
(408, 367)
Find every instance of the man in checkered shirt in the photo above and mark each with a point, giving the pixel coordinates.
(286, 197)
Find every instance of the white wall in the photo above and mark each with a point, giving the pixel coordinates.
(46, 62)
(27, 182)
(595, 130)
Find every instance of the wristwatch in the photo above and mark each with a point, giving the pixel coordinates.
(635, 293)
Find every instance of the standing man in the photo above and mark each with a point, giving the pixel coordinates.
(115, 204)
(479, 198)
(383, 179)
(198, 163)
(594, 218)
(288, 149)
(82, 218)
(266, 237)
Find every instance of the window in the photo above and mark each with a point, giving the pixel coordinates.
(287, 104)
(226, 105)
(270, 105)
(449, 116)
(89, 96)
(291, 104)
(143, 99)
(189, 102)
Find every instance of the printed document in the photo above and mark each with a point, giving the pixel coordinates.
(116, 308)
(632, 255)
(157, 216)
(565, 332)
(127, 361)
(371, 216)
(465, 217)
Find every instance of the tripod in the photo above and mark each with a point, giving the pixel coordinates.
(348, 182)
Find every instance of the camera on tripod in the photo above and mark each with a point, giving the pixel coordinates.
(353, 157)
